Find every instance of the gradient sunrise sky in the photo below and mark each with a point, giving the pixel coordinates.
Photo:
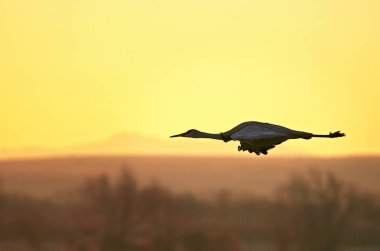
(75, 71)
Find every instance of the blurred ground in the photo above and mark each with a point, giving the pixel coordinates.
(190, 204)
(203, 176)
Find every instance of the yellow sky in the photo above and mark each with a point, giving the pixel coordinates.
(74, 71)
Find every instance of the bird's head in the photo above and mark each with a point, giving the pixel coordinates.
(192, 133)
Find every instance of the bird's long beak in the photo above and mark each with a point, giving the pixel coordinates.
(177, 135)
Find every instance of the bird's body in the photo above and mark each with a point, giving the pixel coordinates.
(256, 136)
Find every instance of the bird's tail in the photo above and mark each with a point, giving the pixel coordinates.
(330, 135)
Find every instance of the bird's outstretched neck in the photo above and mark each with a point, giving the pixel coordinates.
(330, 135)
(206, 135)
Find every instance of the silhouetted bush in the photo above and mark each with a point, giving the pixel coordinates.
(313, 213)
(310, 213)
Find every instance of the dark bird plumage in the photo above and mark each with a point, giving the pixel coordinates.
(257, 137)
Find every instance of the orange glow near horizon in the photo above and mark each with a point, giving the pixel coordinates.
(76, 72)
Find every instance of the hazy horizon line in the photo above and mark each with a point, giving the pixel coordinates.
(173, 155)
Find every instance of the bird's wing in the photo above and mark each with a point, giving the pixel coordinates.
(258, 139)
(257, 132)
(259, 128)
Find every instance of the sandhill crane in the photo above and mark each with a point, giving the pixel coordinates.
(256, 136)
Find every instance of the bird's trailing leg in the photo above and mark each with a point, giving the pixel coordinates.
(330, 135)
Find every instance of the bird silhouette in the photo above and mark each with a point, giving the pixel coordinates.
(257, 137)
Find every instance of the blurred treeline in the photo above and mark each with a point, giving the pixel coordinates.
(312, 212)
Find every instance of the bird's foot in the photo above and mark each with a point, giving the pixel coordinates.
(336, 134)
